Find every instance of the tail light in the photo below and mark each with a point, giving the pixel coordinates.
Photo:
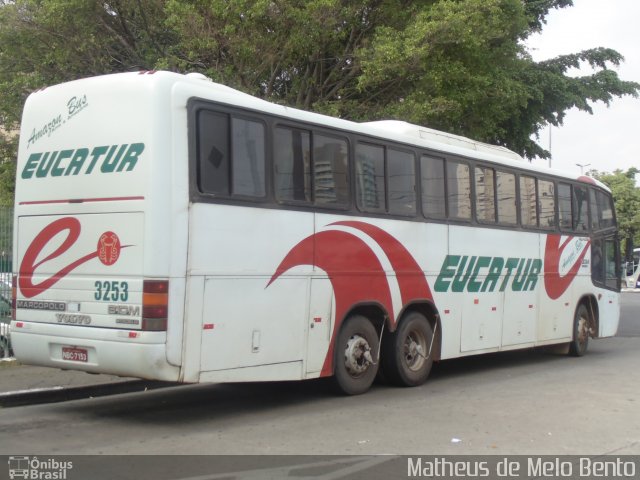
(155, 305)
(14, 295)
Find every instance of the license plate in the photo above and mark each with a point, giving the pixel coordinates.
(74, 354)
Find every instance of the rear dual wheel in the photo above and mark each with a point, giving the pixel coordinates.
(356, 356)
(406, 353)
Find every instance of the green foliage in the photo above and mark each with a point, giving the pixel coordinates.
(626, 196)
(455, 65)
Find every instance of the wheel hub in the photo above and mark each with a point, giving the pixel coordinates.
(414, 351)
(357, 356)
(583, 330)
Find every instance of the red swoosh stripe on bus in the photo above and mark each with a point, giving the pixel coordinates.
(411, 280)
(354, 270)
(554, 284)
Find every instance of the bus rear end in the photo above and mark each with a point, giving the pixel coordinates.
(92, 284)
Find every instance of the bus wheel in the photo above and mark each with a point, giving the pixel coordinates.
(406, 358)
(581, 325)
(356, 354)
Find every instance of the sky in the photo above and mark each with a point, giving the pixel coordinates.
(610, 138)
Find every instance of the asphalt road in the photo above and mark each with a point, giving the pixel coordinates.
(526, 402)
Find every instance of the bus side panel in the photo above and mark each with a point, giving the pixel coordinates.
(248, 319)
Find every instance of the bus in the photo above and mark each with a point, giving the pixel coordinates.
(171, 228)
(632, 270)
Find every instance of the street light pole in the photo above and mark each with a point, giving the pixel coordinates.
(582, 165)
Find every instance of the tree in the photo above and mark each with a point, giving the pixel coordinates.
(455, 65)
(626, 197)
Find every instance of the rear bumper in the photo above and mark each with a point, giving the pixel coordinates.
(109, 351)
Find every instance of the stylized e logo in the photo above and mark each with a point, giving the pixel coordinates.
(554, 283)
(28, 266)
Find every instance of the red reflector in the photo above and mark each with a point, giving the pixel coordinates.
(19, 325)
(133, 334)
(154, 324)
(208, 326)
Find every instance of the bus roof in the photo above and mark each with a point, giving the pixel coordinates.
(395, 130)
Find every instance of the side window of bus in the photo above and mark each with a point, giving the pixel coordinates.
(528, 203)
(401, 182)
(247, 149)
(564, 206)
(605, 210)
(213, 152)
(330, 170)
(506, 187)
(593, 208)
(370, 178)
(292, 164)
(580, 210)
(601, 205)
(231, 155)
(485, 194)
(459, 190)
(547, 204)
(433, 193)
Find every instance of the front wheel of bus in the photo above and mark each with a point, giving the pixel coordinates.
(355, 356)
(406, 355)
(581, 326)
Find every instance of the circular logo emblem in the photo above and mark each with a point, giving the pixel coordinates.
(109, 248)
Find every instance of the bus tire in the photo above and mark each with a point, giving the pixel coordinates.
(406, 359)
(581, 325)
(356, 356)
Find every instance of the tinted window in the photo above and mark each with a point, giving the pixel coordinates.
(547, 204)
(506, 186)
(231, 155)
(459, 190)
(330, 163)
(213, 152)
(292, 152)
(485, 195)
(401, 182)
(433, 197)
(605, 210)
(528, 202)
(601, 210)
(593, 206)
(564, 206)
(580, 209)
(248, 148)
(370, 178)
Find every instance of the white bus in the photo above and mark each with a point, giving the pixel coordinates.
(171, 228)
(632, 270)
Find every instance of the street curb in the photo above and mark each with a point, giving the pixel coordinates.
(63, 394)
